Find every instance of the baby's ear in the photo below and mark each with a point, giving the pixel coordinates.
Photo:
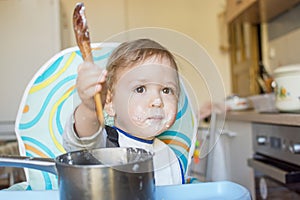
(109, 105)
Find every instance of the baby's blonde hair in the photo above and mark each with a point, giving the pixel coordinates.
(132, 53)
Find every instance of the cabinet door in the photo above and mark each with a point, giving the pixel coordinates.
(244, 57)
(240, 149)
(238, 7)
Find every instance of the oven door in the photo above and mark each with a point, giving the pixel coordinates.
(275, 179)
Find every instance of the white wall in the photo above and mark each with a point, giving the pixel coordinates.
(33, 25)
(30, 35)
(105, 18)
(197, 19)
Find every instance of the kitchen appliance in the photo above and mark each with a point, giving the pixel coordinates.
(107, 173)
(287, 90)
(276, 161)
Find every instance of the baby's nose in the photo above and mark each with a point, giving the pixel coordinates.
(157, 102)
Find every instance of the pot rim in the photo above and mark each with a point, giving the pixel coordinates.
(58, 160)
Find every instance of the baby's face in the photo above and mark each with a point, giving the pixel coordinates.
(145, 98)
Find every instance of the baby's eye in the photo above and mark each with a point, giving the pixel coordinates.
(168, 90)
(140, 89)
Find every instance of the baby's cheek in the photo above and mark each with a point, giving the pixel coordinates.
(170, 120)
(137, 114)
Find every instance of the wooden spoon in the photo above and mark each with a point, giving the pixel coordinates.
(83, 41)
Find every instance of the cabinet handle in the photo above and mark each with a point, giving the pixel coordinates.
(271, 171)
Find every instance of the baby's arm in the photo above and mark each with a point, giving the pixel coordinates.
(89, 81)
(72, 142)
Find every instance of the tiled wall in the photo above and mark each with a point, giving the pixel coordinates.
(284, 39)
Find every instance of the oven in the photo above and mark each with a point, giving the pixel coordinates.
(276, 161)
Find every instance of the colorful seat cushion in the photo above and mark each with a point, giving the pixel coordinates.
(50, 99)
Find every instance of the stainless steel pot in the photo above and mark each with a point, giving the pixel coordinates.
(108, 173)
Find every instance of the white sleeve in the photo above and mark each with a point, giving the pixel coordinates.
(71, 142)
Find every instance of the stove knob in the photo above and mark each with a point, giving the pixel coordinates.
(295, 148)
(261, 140)
(284, 145)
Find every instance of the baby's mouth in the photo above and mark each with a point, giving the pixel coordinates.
(155, 117)
(155, 121)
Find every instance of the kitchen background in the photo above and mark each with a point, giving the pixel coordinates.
(32, 31)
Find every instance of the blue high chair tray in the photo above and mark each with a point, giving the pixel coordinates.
(211, 190)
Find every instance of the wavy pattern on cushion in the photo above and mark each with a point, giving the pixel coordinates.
(50, 99)
(181, 136)
(47, 102)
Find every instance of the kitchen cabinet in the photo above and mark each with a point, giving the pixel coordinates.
(256, 11)
(246, 9)
(245, 19)
(244, 58)
(240, 149)
(272, 8)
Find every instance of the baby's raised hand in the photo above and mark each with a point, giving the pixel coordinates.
(90, 80)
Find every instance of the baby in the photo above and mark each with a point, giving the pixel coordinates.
(140, 87)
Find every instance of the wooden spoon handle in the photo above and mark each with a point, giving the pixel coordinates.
(83, 41)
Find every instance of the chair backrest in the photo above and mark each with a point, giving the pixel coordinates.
(51, 97)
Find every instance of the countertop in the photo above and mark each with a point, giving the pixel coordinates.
(291, 119)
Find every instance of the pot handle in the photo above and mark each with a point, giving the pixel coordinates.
(44, 164)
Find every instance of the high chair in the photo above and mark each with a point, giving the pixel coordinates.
(50, 99)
